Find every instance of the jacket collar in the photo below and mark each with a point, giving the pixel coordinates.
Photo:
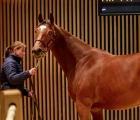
(18, 59)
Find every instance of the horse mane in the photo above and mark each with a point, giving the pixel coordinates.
(86, 46)
(65, 32)
(78, 42)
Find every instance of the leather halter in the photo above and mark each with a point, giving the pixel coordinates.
(50, 42)
(45, 45)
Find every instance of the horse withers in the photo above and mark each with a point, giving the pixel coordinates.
(97, 80)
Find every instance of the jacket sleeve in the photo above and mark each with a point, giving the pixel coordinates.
(25, 92)
(13, 77)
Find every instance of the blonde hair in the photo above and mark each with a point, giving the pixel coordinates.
(16, 44)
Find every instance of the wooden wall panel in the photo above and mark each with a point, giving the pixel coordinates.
(118, 35)
(1, 49)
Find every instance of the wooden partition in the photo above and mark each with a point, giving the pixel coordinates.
(10, 98)
(117, 34)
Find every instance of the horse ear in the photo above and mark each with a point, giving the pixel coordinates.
(51, 18)
(40, 18)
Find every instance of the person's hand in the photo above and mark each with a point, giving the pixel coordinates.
(32, 71)
(31, 94)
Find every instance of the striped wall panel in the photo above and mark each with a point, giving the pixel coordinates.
(117, 34)
(1, 49)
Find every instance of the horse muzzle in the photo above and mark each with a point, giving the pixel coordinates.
(38, 53)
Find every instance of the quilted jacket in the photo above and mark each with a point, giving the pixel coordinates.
(12, 75)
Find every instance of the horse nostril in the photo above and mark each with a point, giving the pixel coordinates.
(33, 51)
(39, 50)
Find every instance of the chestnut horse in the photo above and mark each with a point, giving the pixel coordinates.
(97, 80)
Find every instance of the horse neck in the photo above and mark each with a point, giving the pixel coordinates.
(68, 49)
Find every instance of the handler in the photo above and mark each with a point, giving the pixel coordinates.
(12, 75)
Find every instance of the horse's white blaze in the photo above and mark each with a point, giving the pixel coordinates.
(42, 27)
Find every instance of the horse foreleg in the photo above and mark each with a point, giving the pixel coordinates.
(83, 111)
(97, 113)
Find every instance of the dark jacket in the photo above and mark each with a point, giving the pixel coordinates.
(12, 75)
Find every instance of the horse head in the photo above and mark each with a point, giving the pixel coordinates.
(44, 36)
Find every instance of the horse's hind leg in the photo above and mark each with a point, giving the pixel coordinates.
(97, 113)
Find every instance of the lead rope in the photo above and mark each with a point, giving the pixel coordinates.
(35, 98)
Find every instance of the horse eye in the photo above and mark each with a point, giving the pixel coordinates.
(50, 32)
